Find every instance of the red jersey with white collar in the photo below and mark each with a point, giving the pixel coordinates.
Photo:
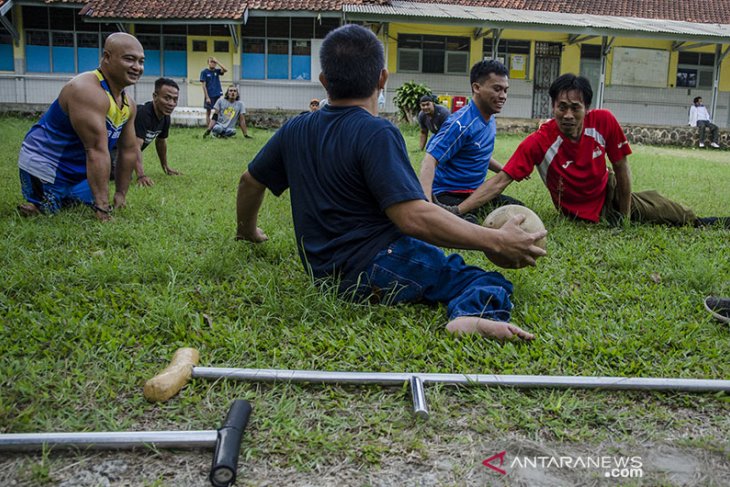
(575, 173)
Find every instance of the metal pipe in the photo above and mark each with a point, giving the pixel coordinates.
(420, 409)
(518, 381)
(226, 440)
(108, 440)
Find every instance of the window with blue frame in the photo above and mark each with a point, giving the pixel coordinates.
(87, 51)
(152, 54)
(6, 49)
(37, 51)
(165, 49)
(175, 55)
(37, 39)
(57, 40)
(253, 59)
(281, 47)
(277, 59)
(301, 59)
(62, 52)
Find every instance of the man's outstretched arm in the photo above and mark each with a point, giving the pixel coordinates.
(248, 202)
(242, 124)
(161, 146)
(423, 139)
(509, 247)
(142, 178)
(87, 107)
(128, 151)
(488, 190)
(623, 186)
(428, 170)
(494, 165)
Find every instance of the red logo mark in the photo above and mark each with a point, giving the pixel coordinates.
(488, 462)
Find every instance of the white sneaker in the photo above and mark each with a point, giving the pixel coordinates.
(702, 145)
(714, 145)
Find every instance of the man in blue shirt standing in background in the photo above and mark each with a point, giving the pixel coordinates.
(212, 90)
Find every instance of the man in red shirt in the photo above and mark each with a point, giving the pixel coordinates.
(570, 153)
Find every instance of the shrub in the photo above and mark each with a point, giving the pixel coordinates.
(407, 98)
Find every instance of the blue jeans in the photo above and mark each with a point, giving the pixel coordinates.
(51, 197)
(221, 131)
(410, 270)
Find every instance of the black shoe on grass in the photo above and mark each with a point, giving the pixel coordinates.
(710, 221)
(719, 308)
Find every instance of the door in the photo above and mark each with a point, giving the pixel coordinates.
(200, 48)
(591, 69)
(547, 68)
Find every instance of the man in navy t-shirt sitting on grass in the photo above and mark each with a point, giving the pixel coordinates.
(360, 216)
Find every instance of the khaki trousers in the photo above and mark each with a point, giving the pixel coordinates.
(646, 207)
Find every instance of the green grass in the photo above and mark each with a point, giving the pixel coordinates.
(89, 311)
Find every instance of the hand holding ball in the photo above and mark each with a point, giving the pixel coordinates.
(531, 224)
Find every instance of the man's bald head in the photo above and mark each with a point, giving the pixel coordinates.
(123, 60)
(121, 40)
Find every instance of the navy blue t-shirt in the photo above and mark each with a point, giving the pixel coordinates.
(343, 167)
(211, 78)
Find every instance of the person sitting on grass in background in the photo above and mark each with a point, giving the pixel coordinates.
(700, 117)
(459, 156)
(227, 113)
(210, 77)
(65, 157)
(361, 219)
(153, 123)
(570, 150)
(430, 118)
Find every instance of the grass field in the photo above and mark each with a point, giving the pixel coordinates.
(89, 311)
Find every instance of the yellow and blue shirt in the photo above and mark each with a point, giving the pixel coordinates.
(53, 152)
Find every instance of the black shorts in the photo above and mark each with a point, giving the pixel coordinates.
(213, 99)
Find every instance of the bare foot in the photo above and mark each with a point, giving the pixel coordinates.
(28, 210)
(499, 330)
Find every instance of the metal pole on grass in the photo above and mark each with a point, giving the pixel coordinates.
(519, 381)
(226, 441)
(184, 366)
(417, 381)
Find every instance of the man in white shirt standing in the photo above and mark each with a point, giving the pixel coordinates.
(700, 117)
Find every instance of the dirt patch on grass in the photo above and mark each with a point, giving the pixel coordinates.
(457, 460)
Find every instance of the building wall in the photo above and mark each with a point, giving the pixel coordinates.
(394, 29)
(197, 61)
(667, 106)
(630, 103)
